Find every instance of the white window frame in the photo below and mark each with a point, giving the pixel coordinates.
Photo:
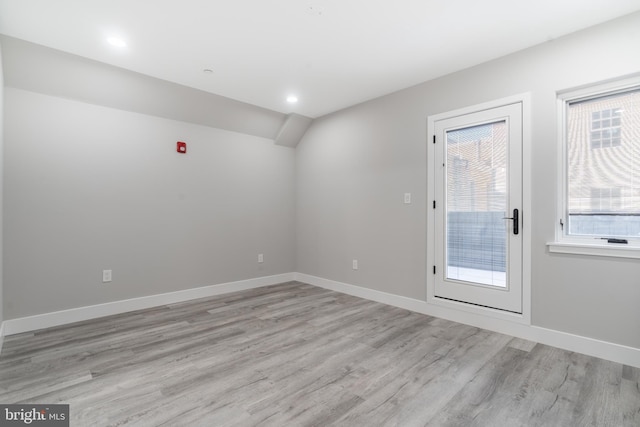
(585, 245)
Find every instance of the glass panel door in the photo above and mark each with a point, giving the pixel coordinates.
(477, 172)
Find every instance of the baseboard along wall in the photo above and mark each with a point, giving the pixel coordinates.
(57, 318)
(589, 346)
(566, 341)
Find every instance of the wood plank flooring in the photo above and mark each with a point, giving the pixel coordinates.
(298, 355)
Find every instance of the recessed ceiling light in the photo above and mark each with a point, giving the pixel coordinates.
(116, 41)
(292, 99)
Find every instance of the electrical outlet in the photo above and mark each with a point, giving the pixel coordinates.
(260, 258)
(354, 264)
(106, 276)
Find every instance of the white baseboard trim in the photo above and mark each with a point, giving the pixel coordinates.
(567, 341)
(57, 318)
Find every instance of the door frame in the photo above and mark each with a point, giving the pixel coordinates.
(525, 316)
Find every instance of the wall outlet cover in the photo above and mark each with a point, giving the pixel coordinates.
(106, 276)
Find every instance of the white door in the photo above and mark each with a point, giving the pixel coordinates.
(478, 208)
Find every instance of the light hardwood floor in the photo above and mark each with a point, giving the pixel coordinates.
(297, 355)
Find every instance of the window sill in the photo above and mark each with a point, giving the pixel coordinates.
(602, 249)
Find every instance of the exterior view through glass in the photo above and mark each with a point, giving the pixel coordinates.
(476, 203)
(603, 170)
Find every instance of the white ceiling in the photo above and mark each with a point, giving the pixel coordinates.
(330, 53)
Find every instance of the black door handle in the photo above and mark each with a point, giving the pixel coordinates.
(515, 218)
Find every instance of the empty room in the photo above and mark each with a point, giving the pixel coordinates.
(320, 212)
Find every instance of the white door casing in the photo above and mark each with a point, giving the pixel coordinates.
(478, 261)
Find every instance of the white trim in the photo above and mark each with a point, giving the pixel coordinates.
(57, 318)
(502, 102)
(591, 90)
(584, 245)
(358, 291)
(592, 347)
(525, 100)
(477, 310)
(602, 249)
(527, 206)
(567, 341)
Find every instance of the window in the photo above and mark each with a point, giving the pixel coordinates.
(606, 128)
(600, 168)
(606, 200)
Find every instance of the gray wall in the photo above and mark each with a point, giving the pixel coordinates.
(89, 187)
(354, 166)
